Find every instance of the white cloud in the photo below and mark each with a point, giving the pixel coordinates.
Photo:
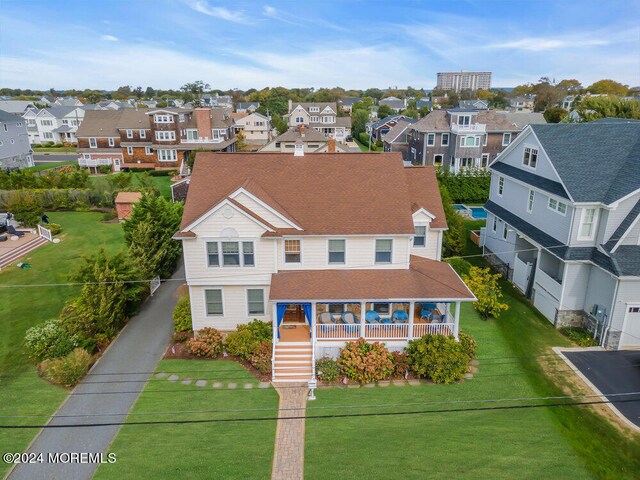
(219, 12)
(543, 44)
(109, 38)
(269, 11)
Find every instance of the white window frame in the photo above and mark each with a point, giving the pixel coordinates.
(431, 139)
(220, 255)
(112, 142)
(500, 186)
(441, 159)
(143, 133)
(344, 251)
(554, 204)
(49, 136)
(167, 155)
(129, 133)
(206, 303)
(593, 222)
(425, 236)
(464, 120)
(484, 160)
(505, 231)
(181, 117)
(494, 226)
(444, 140)
(375, 252)
(165, 135)
(531, 199)
(93, 142)
(264, 308)
(284, 251)
(314, 119)
(190, 133)
(162, 118)
(505, 136)
(314, 109)
(528, 152)
(147, 151)
(129, 150)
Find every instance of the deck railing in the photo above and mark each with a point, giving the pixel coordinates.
(386, 330)
(380, 331)
(337, 331)
(420, 329)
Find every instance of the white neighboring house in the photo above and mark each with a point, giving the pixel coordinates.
(53, 124)
(255, 126)
(295, 240)
(15, 151)
(322, 117)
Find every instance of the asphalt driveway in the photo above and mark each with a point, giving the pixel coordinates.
(613, 372)
(112, 387)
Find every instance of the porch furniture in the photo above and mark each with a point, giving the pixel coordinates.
(12, 230)
(326, 318)
(349, 318)
(437, 318)
(372, 317)
(400, 316)
(385, 320)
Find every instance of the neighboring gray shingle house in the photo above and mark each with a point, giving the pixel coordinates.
(379, 128)
(15, 151)
(564, 215)
(347, 103)
(53, 124)
(247, 107)
(395, 140)
(477, 104)
(394, 103)
(17, 107)
(424, 102)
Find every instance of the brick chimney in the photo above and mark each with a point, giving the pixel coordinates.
(332, 145)
(203, 122)
(302, 130)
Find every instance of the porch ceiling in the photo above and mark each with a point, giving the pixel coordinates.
(424, 280)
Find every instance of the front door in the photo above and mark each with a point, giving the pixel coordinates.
(294, 314)
(116, 164)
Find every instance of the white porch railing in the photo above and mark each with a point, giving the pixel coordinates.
(474, 127)
(380, 331)
(337, 331)
(91, 162)
(45, 233)
(421, 329)
(386, 330)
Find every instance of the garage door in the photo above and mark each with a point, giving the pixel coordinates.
(631, 329)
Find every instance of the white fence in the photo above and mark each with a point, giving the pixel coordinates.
(45, 233)
(91, 162)
(155, 284)
(380, 331)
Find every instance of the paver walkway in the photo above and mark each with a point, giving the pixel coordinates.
(288, 457)
(110, 388)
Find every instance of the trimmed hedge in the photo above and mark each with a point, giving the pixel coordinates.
(182, 315)
(439, 358)
(469, 186)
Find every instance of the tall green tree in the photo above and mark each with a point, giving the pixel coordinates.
(359, 119)
(384, 111)
(608, 87)
(593, 108)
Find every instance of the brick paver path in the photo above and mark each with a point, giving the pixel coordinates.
(288, 458)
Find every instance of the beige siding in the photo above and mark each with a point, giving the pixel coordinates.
(235, 307)
(432, 249)
(261, 211)
(360, 253)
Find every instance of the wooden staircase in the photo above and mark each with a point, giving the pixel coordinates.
(293, 362)
(10, 257)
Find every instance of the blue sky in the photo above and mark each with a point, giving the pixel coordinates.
(353, 44)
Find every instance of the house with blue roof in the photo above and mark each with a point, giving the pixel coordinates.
(564, 224)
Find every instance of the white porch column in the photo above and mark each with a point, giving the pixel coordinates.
(412, 308)
(363, 312)
(274, 322)
(456, 322)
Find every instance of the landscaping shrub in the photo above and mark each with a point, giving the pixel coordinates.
(327, 369)
(206, 343)
(400, 364)
(438, 357)
(261, 330)
(104, 169)
(468, 344)
(454, 239)
(261, 359)
(68, 177)
(241, 343)
(54, 227)
(460, 265)
(486, 288)
(180, 337)
(27, 208)
(468, 186)
(182, 315)
(49, 340)
(580, 336)
(162, 173)
(365, 362)
(68, 370)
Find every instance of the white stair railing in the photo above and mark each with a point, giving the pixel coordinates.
(45, 233)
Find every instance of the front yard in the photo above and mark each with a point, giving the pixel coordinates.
(22, 392)
(241, 450)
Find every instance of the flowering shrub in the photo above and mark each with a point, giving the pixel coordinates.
(261, 360)
(49, 340)
(365, 362)
(439, 358)
(468, 344)
(207, 343)
(327, 369)
(400, 364)
(68, 370)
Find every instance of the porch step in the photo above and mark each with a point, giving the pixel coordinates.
(293, 361)
(14, 255)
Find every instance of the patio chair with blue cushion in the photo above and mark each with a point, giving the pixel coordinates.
(12, 231)
(436, 318)
(349, 318)
(372, 317)
(326, 318)
(400, 316)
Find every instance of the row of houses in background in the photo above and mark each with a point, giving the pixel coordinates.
(322, 117)
(15, 150)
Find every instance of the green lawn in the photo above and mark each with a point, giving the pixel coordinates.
(163, 183)
(233, 450)
(22, 392)
(47, 166)
(54, 150)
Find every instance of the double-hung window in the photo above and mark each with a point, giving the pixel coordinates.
(336, 251)
(292, 251)
(384, 250)
(530, 157)
(165, 135)
(112, 142)
(213, 259)
(163, 118)
(500, 185)
(431, 139)
(213, 298)
(129, 150)
(505, 231)
(129, 133)
(314, 119)
(506, 139)
(587, 224)
(464, 120)
(255, 301)
(557, 206)
(92, 142)
(248, 257)
(167, 155)
(530, 201)
(143, 134)
(420, 238)
(444, 139)
(230, 254)
(147, 150)
(495, 224)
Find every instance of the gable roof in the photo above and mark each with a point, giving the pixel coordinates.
(397, 130)
(7, 117)
(596, 161)
(425, 193)
(350, 100)
(392, 102)
(321, 105)
(396, 117)
(325, 193)
(100, 123)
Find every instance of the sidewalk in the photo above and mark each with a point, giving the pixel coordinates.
(288, 457)
(108, 389)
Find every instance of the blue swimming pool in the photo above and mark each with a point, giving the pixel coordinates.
(459, 206)
(478, 213)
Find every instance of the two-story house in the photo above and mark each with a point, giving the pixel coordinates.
(564, 219)
(460, 138)
(15, 151)
(302, 139)
(247, 107)
(394, 103)
(279, 238)
(395, 140)
(255, 127)
(152, 138)
(322, 117)
(523, 103)
(376, 130)
(53, 124)
(347, 103)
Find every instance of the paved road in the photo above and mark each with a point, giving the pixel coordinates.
(613, 372)
(138, 349)
(40, 158)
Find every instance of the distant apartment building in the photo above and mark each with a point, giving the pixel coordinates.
(15, 151)
(458, 81)
(322, 117)
(152, 138)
